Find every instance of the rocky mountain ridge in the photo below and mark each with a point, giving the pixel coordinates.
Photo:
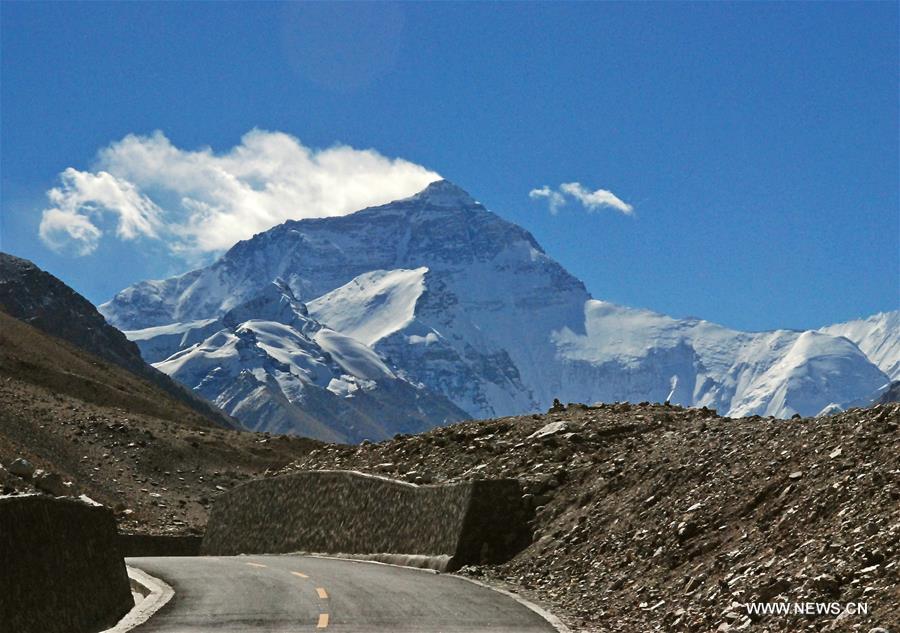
(38, 298)
(72, 423)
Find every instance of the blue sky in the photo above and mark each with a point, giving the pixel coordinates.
(757, 143)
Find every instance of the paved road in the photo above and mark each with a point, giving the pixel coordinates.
(291, 594)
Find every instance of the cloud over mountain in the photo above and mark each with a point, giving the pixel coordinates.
(204, 201)
(554, 198)
(591, 200)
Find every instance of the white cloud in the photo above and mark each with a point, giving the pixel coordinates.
(595, 199)
(84, 196)
(62, 230)
(202, 201)
(554, 198)
(591, 200)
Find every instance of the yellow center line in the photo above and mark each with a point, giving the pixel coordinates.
(300, 575)
(323, 621)
(322, 593)
(256, 564)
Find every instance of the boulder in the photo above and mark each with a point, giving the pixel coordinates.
(51, 483)
(553, 428)
(22, 468)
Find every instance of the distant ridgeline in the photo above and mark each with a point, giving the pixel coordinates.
(431, 309)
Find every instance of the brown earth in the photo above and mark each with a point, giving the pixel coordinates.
(39, 299)
(657, 518)
(118, 438)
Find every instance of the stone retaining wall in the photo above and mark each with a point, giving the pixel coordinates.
(60, 566)
(343, 512)
(133, 545)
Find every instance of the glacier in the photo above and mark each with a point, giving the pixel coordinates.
(468, 311)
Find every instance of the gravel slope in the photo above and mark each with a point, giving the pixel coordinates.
(657, 518)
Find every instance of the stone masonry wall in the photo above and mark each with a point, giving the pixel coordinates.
(60, 567)
(132, 545)
(342, 512)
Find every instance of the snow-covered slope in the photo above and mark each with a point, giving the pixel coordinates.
(159, 342)
(629, 354)
(373, 305)
(469, 306)
(276, 369)
(878, 337)
(817, 367)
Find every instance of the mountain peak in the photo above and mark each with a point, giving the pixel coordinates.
(443, 193)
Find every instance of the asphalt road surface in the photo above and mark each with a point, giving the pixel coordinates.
(291, 594)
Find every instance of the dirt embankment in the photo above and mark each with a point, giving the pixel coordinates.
(120, 440)
(41, 300)
(657, 518)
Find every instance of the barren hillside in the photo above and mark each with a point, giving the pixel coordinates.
(119, 439)
(657, 518)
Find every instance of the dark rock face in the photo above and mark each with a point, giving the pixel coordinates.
(892, 394)
(350, 513)
(43, 301)
(62, 571)
(40, 299)
(22, 468)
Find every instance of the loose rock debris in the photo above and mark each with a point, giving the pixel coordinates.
(658, 518)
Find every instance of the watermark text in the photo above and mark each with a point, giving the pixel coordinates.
(806, 608)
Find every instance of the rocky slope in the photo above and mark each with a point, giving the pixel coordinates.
(470, 306)
(83, 421)
(40, 299)
(658, 518)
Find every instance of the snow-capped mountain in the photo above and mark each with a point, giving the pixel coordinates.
(634, 354)
(469, 305)
(491, 291)
(276, 369)
(878, 337)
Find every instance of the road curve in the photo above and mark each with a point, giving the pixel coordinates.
(291, 594)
